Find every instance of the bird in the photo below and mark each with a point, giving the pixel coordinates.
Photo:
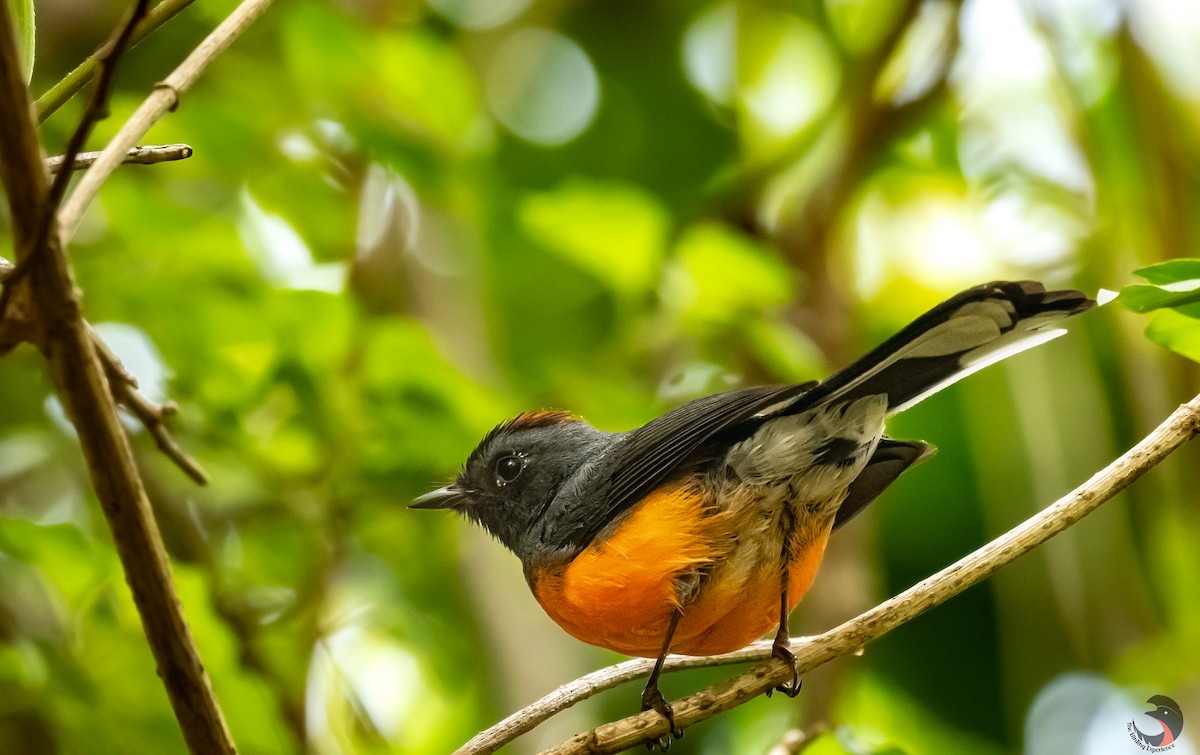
(699, 531)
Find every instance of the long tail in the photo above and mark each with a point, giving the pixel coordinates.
(965, 333)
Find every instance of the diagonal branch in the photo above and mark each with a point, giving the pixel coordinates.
(77, 79)
(849, 637)
(153, 416)
(590, 685)
(163, 99)
(125, 392)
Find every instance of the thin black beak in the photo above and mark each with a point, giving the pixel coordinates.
(442, 498)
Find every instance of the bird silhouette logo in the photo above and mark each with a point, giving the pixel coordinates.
(1166, 712)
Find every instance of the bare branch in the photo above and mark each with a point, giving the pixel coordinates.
(850, 636)
(77, 79)
(599, 681)
(152, 416)
(155, 153)
(96, 110)
(125, 392)
(163, 99)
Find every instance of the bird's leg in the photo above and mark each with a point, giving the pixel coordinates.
(652, 698)
(781, 648)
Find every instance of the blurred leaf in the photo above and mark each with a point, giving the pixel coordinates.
(883, 717)
(859, 24)
(1171, 271)
(614, 231)
(1144, 299)
(727, 275)
(1177, 330)
(23, 23)
(788, 76)
(409, 388)
(1174, 284)
(1174, 296)
(407, 77)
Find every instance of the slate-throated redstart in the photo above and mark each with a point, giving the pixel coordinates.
(700, 530)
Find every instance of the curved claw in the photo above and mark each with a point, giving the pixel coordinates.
(783, 653)
(652, 699)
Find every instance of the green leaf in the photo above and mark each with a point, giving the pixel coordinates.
(617, 232)
(22, 15)
(1171, 271)
(1177, 331)
(1144, 299)
(729, 275)
(1172, 284)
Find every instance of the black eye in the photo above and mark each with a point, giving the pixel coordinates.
(508, 468)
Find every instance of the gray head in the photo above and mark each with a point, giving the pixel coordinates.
(514, 473)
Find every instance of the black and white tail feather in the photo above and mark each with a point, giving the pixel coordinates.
(962, 335)
(836, 427)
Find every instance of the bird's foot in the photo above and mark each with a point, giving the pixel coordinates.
(652, 699)
(781, 651)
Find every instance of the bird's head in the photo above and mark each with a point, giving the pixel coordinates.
(514, 473)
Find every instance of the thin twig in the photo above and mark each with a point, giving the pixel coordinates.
(96, 111)
(852, 635)
(48, 298)
(124, 387)
(57, 95)
(148, 155)
(163, 99)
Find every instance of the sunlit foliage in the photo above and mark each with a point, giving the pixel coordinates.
(407, 221)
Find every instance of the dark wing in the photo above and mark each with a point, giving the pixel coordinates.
(645, 457)
(891, 457)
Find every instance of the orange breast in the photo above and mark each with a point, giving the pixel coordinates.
(740, 603)
(620, 593)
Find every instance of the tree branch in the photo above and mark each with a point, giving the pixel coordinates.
(77, 79)
(152, 416)
(125, 392)
(95, 111)
(850, 636)
(148, 155)
(47, 303)
(164, 98)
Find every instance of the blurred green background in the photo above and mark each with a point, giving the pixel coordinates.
(406, 221)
